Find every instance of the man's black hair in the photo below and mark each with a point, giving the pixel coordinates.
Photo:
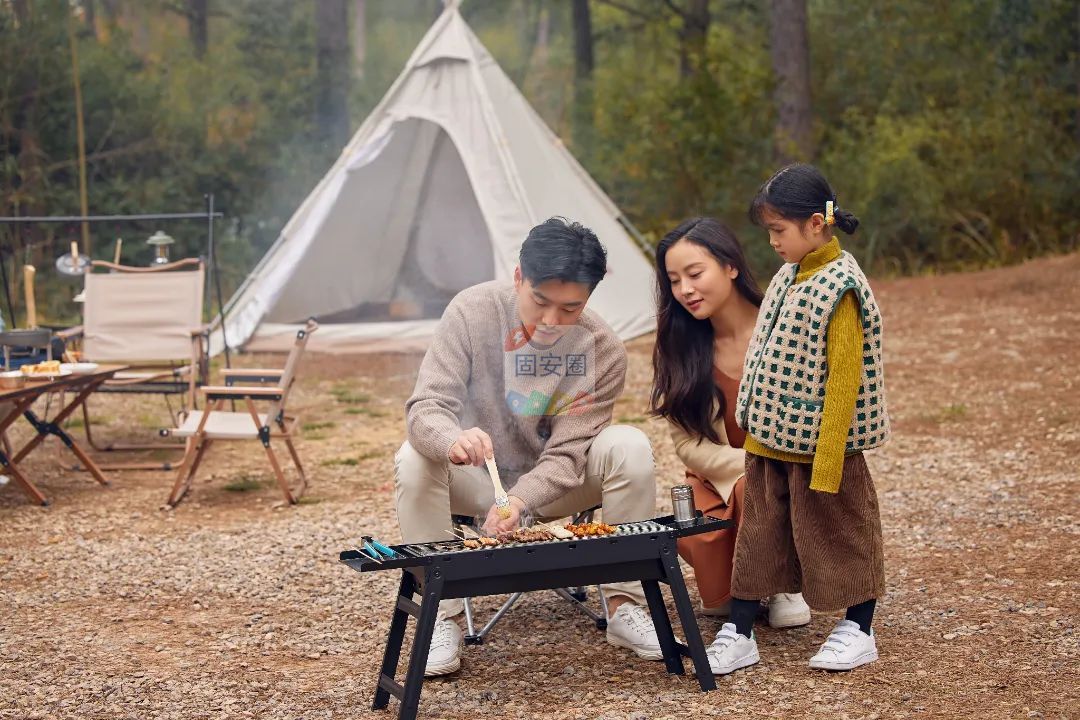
(558, 249)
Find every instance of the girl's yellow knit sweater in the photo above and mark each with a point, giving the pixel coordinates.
(843, 350)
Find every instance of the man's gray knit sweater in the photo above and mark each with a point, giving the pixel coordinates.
(464, 383)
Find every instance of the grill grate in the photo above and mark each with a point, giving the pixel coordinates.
(442, 547)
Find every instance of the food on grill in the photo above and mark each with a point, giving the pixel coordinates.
(591, 529)
(50, 367)
(521, 535)
(524, 535)
(559, 532)
(480, 542)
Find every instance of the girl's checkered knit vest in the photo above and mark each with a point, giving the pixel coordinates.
(783, 384)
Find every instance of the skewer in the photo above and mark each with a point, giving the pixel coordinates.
(372, 555)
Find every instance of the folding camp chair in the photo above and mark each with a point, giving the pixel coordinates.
(574, 595)
(202, 427)
(149, 319)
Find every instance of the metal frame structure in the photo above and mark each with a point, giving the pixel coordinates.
(644, 551)
(209, 215)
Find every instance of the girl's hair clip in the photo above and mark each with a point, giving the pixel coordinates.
(830, 218)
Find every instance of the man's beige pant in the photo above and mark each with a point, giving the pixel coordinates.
(618, 475)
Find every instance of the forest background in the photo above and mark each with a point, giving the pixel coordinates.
(951, 128)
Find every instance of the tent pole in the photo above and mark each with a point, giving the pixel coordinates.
(643, 244)
(215, 274)
(7, 289)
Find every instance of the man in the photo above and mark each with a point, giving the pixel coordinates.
(524, 373)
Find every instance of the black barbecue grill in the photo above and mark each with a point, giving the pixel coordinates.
(644, 551)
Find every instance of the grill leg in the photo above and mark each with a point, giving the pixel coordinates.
(686, 616)
(672, 656)
(599, 621)
(393, 642)
(425, 626)
(477, 638)
(470, 630)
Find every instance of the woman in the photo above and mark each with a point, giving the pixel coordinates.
(707, 306)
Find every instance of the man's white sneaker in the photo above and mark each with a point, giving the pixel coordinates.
(788, 610)
(847, 648)
(444, 657)
(631, 627)
(731, 651)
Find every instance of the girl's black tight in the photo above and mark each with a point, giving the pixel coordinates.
(743, 613)
(863, 614)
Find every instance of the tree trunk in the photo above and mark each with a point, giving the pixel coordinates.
(90, 16)
(198, 28)
(542, 46)
(27, 151)
(359, 37)
(790, 49)
(694, 35)
(332, 72)
(583, 41)
(110, 10)
(1076, 74)
(528, 12)
(22, 12)
(583, 76)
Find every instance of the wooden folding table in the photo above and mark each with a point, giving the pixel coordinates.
(18, 401)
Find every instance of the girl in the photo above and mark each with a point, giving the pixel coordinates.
(811, 400)
(707, 305)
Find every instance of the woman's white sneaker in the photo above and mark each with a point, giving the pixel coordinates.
(731, 651)
(631, 627)
(788, 610)
(846, 648)
(444, 657)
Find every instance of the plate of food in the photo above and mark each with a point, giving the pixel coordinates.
(11, 380)
(49, 370)
(80, 368)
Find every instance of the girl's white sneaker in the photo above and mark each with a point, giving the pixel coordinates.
(731, 651)
(846, 648)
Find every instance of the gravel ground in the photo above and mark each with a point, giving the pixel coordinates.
(232, 606)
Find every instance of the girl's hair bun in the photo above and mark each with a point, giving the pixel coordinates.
(846, 221)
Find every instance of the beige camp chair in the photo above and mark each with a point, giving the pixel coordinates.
(150, 319)
(203, 427)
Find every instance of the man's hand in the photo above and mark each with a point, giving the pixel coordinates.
(472, 447)
(495, 524)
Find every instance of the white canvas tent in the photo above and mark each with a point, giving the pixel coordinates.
(434, 193)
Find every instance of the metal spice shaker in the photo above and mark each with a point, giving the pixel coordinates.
(682, 504)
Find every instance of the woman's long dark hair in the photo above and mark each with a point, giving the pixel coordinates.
(684, 390)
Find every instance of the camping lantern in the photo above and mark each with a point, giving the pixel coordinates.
(160, 242)
(73, 264)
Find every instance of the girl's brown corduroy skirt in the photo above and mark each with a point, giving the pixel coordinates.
(794, 539)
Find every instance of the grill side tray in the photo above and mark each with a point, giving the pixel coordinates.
(362, 562)
(701, 524)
